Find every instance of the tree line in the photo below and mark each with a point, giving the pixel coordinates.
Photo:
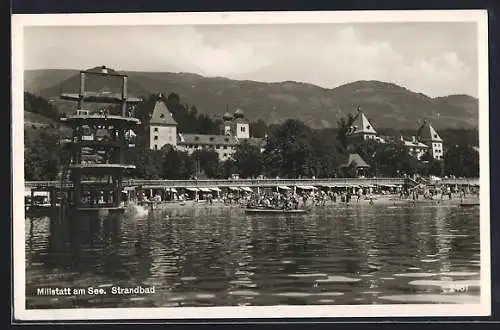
(293, 150)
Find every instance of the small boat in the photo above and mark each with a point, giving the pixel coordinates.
(469, 204)
(274, 211)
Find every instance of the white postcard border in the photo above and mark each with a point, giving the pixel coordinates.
(19, 22)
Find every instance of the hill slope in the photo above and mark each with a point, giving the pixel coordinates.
(388, 105)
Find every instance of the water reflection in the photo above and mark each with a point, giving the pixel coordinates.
(215, 256)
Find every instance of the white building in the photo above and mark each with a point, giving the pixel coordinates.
(224, 145)
(235, 129)
(361, 129)
(428, 135)
(427, 139)
(162, 127)
(414, 147)
(236, 125)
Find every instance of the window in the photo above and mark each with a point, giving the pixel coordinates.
(225, 155)
(225, 147)
(156, 137)
(156, 129)
(156, 147)
(162, 115)
(242, 129)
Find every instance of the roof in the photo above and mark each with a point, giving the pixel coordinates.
(104, 70)
(416, 144)
(161, 115)
(361, 125)
(355, 160)
(206, 139)
(427, 132)
(239, 113)
(240, 120)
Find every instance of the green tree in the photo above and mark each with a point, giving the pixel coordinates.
(394, 160)
(40, 105)
(148, 163)
(207, 161)
(227, 168)
(462, 161)
(432, 165)
(41, 155)
(344, 124)
(176, 165)
(288, 149)
(325, 159)
(248, 160)
(258, 129)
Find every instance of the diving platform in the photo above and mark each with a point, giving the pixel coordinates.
(99, 119)
(92, 178)
(99, 97)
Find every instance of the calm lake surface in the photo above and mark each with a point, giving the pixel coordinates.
(221, 257)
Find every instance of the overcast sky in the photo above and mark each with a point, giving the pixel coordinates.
(432, 58)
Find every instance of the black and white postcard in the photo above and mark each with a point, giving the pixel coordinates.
(251, 165)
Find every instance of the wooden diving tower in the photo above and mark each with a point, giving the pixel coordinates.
(96, 164)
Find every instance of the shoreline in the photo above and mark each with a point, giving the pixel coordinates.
(378, 200)
(387, 200)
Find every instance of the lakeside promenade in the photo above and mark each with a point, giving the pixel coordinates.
(320, 182)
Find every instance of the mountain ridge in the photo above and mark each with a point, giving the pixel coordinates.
(385, 103)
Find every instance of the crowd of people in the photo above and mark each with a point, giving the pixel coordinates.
(273, 198)
(437, 192)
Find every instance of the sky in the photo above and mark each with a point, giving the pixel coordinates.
(436, 59)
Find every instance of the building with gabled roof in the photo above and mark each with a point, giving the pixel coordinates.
(162, 126)
(354, 166)
(224, 145)
(428, 135)
(414, 147)
(235, 129)
(361, 128)
(426, 140)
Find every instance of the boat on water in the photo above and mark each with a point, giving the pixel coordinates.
(472, 204)
(274, 211)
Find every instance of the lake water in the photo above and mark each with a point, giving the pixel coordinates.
(221, 257)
